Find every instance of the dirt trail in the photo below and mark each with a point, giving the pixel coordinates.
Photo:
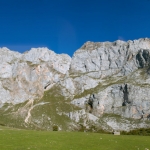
(29, 114)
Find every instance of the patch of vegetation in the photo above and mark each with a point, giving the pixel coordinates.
(93, 128)
(116, 116)
(141, 131)
(10, 115)
(54, 111)
(55, 128)
(2, 124)
(140, 74)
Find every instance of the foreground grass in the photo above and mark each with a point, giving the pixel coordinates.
(13, 139)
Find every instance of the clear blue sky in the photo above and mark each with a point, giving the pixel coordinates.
(65, 25)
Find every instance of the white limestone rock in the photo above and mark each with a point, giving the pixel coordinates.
(30, 73)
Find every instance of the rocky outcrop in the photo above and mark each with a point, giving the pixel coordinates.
(101, 78)
(26, 76)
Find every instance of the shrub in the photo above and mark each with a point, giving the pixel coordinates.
(2, 124)
(55, 128)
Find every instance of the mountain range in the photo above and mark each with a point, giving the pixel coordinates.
(104, 85)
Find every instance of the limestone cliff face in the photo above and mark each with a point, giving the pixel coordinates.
(100, 80)
(26, 76)
(116, 68)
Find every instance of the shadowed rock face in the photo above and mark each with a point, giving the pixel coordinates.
(143, 58)
(100, 78)
(125, 95)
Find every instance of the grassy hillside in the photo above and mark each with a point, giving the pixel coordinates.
(14, 139)
(40, 114)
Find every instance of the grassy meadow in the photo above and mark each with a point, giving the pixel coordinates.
(16, 139)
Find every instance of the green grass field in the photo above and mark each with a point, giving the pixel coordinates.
(15, 139)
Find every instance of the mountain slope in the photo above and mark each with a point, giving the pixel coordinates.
(105, 85)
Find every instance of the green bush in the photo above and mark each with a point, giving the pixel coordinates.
(55, 128)
(2, 124)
